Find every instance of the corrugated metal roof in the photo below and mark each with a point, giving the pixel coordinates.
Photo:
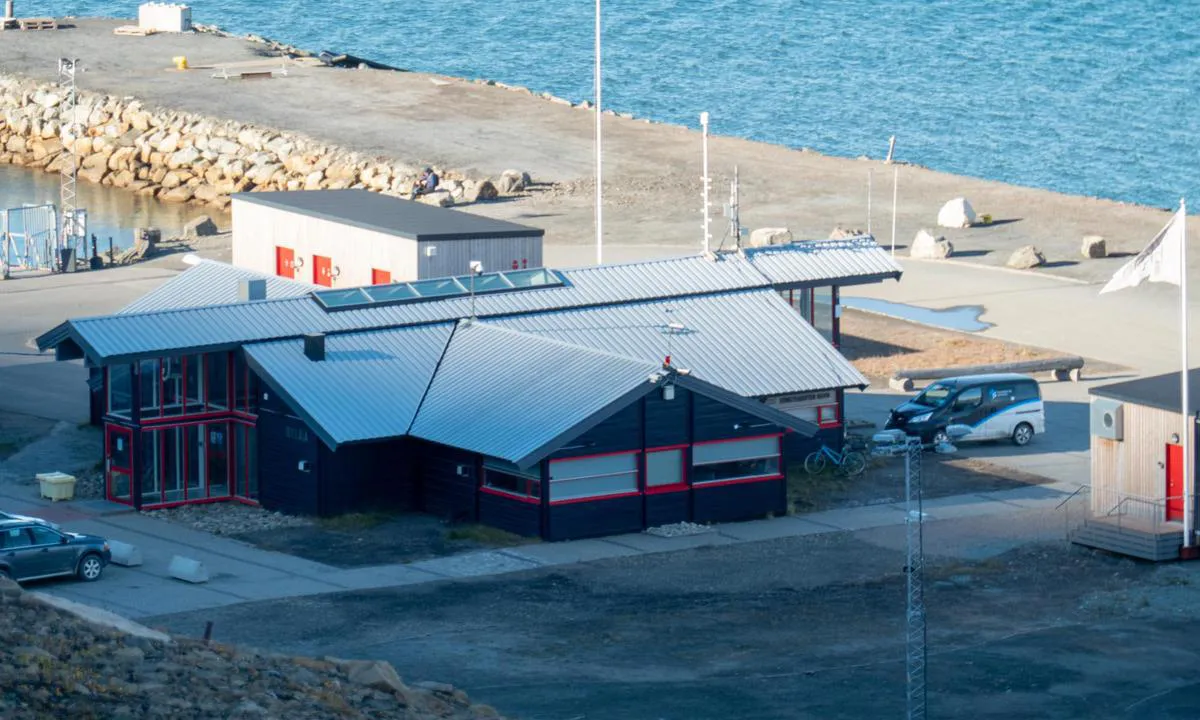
(849, 261)
(211, 283)
(369, 385)
(506, 394)
(389, 214)
(749, 342)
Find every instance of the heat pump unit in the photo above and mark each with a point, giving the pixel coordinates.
(1108, 419)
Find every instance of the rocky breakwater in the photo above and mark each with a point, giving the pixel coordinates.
(183, 157)
(55, 664)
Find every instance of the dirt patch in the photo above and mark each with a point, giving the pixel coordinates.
(17, 431)
(879, 346)
(883, 482)
(366, 539)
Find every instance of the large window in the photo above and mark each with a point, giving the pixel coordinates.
(217, 366)
(120, 390)
(664, 470)
(245, 471)
(245, 387)
(822, 317)
(193, 382)
(750, 459)
(509, 479)
(593, 477)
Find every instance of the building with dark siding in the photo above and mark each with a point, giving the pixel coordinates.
(560, 404)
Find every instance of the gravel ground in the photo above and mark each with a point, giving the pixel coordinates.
(1020, 625)
(229, 518)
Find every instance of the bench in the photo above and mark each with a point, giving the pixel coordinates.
(225, 74)
(1060, 368)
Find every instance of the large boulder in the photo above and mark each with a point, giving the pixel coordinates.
(1025, 257)
(957, 213)
(927, 246)
(482, 191)
(840, 233)
(438, 198)
(762, 237)
(513, 181)
(1093, 247)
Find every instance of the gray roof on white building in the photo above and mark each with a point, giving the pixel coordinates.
(368, 387)
(209, 282)
(388, 214)
(849, 261)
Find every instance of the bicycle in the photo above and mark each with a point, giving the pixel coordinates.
(850, 462)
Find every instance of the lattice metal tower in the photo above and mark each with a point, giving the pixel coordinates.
(915, 637)
(71, 235)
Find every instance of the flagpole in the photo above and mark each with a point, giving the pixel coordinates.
(1188, 426)
(599, 153)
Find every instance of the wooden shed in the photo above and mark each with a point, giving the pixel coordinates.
(1138, 498)
(352, 238)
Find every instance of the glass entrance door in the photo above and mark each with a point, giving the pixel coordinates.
(218, 459)
(118, 443)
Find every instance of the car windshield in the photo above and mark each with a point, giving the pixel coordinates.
(934, 396)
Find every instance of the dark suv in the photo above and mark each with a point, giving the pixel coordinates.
(33, 550)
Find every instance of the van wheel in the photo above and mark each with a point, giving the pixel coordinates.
(1022, 434)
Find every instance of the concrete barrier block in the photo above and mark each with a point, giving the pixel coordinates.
(125, 554)
(187, 569)
(904, 384)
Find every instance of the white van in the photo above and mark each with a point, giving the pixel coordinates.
(995, 407)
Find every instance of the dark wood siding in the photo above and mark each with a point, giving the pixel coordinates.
(375, 475)
(443, 490)
(668, 508)
(622, 431)
(572, 521)
(667, 420)
(283, 441)
(739, 501)
(509, 514)
(712, 420)
(796, 447)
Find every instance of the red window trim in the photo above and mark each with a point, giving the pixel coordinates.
(737, 481)
(510, 495)
(680, 486)
(596, 498)
(837, 421)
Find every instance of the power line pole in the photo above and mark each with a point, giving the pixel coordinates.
(735, 220)
(705, 180)
(599, 154)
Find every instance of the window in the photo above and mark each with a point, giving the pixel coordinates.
(171, 374)
(827, 415)
(590, 477)
(148, 382)
(245, 386)
(750, 459)
(15, 538)
(969, 398)
(218, 381)
(193, 382)
(120, 390)
(822, 313)
(1025, 391)
(510, 479)
(664, 468)
(44, 535)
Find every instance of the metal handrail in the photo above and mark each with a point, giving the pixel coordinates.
(1078, 490)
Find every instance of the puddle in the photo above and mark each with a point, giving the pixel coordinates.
(964, 317)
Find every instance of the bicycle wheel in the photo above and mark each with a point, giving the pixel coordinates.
(815, 463)
(853, 463)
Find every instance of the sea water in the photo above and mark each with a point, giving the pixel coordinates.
(1090, 97)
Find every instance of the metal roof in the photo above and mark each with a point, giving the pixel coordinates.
(388, 214)
(848, 261)
(211, 283)
(750, 342)
(507, 394)
(1157, 391)
(369, 385)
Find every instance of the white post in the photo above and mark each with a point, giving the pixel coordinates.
(704, 179)
(1188, 426)
(895, 198)
(599, 155)
(870, 178)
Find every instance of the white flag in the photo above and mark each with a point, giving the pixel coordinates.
(1159, 262)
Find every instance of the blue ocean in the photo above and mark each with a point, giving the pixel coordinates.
(1086, 97)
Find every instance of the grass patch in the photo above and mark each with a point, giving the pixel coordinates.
(806, 492)
(353, 522)
(486, 535)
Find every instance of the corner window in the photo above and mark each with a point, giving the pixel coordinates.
(593, 477)
(509, 479)
(120, 390)
(749, 459)
(664, 469)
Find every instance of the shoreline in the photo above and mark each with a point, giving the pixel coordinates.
(652, 191)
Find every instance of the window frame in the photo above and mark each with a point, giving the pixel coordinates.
(822, 422)
(684, 476)
(531, 477)
(779, 474)
(637, 476)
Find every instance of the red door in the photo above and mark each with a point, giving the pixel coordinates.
(322, 271)
(119, 453)
(380, 277)
(1174, 482)
(285, 262)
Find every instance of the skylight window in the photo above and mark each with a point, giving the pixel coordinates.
(436, 289)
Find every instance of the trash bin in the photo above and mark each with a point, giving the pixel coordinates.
(56, 485)
(180, 62)
(66, 258)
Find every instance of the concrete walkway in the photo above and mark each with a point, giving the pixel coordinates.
(240, 573)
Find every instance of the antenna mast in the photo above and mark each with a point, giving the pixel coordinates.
(705, 180)
(599, 154)
(735, 221)
(70, 232)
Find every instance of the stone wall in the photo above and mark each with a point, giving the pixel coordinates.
(184, 157)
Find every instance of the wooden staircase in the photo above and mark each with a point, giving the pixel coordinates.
(1135, 537)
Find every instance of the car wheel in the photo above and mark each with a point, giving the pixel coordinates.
(90, 567)
(1022, 434)
(5, 575)
(940, 437)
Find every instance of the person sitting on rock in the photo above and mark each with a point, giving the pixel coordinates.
(425, 184)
